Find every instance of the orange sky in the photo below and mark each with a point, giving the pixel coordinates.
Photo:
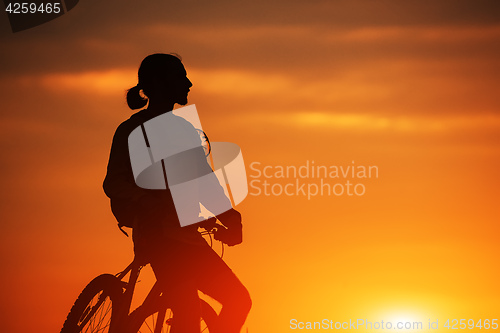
(410, 87)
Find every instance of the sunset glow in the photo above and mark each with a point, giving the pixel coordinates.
(410, 87)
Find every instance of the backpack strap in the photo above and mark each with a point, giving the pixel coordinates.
(151, 155)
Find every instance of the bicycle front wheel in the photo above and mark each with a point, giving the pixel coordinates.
(93, 311)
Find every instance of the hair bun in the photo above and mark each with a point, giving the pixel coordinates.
(134, 98)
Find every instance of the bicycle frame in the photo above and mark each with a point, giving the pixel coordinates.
(112, 295)
(124, 315)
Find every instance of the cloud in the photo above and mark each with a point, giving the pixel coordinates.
(109, 82)
(340, 13)
(358, 122)
(278, 35)
(386, 87)
(289, 56)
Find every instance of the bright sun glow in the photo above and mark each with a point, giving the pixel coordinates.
(399, 320)
(406, 322)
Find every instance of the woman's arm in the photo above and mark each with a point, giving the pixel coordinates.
(119, 182)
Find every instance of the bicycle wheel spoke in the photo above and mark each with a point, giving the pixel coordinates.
(149, 327)
(93, 311)
(97, 322)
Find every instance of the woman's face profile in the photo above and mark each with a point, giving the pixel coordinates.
(180, 87)
(173, 87)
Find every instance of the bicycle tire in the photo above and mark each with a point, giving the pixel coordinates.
(94, 310)
(150, 321)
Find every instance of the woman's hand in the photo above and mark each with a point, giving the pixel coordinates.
(230, 232)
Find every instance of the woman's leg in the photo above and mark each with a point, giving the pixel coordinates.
(219, 282)
(176, 279)
(183, 270)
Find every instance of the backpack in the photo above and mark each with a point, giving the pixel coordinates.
(124, 213)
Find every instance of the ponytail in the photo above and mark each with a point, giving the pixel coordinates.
(134, 98)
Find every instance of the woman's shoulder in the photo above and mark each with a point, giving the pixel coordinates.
(134, 120)
(126, 127)
(176, 125)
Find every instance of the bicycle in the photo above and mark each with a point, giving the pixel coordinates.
(104, 306)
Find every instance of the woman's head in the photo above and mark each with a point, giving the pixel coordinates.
(162, 77)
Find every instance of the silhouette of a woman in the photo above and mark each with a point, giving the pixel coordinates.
(181, 259)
